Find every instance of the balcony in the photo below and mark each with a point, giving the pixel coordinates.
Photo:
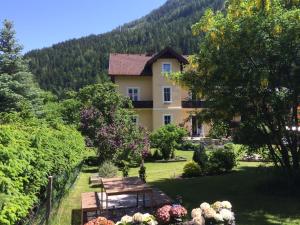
(192, 104)
(142, 104)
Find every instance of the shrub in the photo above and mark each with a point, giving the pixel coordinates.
(167, 138)
(201, 157)
(157, 155)
(189, 146)
(221, 160)
(191, 169)
(108, 169)
(142, 173)
(125, 170)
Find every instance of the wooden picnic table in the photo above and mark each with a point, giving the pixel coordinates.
(128, 185)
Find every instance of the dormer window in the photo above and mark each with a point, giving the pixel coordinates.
(133, 93)
(166, 68)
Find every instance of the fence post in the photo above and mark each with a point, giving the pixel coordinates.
(49, 198)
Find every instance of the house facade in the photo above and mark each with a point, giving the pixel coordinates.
(156, 99)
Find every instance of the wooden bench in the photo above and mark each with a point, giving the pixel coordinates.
(89, 203)
(95, 179)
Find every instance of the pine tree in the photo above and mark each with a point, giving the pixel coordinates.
(17, 89)
(11, 60)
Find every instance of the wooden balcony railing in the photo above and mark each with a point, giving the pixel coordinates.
(142, 104)
(192, 104)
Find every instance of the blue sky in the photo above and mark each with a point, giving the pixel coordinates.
(41, 23)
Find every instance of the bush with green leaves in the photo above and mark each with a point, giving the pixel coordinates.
(221, 161)
(200, 156)
(108, 170)
(167, 138)
(191, 169)
(30, 151)
(188, 146)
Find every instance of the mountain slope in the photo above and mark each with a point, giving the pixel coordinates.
(73, 64)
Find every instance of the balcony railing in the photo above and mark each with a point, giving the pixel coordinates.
(193, 104)
(142, 104)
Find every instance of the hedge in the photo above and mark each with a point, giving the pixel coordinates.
(29, 153)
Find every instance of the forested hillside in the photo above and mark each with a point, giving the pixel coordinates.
(73, 64)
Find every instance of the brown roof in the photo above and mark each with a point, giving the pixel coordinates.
(138, 64)
(127, 64)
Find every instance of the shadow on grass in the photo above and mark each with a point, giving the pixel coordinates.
(89, 170)
(252, 190)
(76, 217)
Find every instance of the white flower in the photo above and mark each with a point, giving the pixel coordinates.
(149, 219)
(218, 217)
(204, 206)
(209, 213)
(226, 205)
(196, 212)
(217, 206)
(227, 215)
(126, 219)
(138, 217)
(198, 220)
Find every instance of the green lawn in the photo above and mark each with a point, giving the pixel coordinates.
(255, 201)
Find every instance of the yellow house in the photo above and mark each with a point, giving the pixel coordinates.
(156, 100)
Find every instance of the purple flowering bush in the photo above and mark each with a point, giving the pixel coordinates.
(106, 121)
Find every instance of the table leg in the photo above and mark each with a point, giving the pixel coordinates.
(144, 200)
(81, 216)
(102, 200)
(137, 199)
(106, 205)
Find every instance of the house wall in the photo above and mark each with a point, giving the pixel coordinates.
(144, 83)
(159, 81)
(145, 118)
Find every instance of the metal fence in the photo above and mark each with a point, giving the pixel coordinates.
(51, 196)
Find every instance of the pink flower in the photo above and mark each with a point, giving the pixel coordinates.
(163, 215)
(178, 211)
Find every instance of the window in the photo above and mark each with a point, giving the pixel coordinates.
(133, 94)
(167, 94)
(166, 68)
(135, 120)
(167, 119)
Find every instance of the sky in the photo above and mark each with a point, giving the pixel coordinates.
(41, 23)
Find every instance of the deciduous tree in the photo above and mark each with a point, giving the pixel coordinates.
(249, 65)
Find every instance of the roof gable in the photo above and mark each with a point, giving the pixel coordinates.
(139, 64)
(167, 53)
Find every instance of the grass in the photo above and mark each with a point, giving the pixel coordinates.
(255, 201)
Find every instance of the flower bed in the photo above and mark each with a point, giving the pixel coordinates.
(206, 214)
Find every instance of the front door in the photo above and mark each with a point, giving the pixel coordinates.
(196, 127)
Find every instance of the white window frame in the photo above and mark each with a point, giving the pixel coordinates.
(162, 67)
(163, 94)
(138, 92)
(171, 118)
(137, 119)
